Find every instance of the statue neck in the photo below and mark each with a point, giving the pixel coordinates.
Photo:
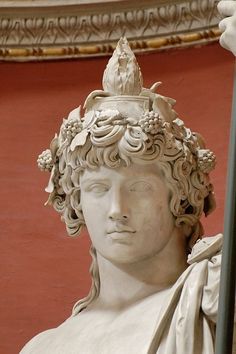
(121, 285)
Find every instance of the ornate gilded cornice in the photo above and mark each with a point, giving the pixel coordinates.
(52, 29)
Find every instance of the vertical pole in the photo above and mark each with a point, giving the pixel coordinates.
(225, 318)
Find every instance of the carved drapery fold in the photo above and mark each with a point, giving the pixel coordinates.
(46, 29)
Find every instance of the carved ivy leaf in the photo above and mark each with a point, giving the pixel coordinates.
(79, 139)
(164, 108)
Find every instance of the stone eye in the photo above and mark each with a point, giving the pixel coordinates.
(98, 188)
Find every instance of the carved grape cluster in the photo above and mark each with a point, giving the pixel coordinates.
(71, 128)
(151, 122)
(45, 161)
(206, 160)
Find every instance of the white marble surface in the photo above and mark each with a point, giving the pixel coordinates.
(228, 25)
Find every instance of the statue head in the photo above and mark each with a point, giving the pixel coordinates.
(124, 125)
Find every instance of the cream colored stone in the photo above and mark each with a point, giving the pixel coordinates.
(228, 25)
(138, 178)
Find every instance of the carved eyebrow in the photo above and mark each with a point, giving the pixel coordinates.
(144, 178)
(141, 186)
(90, 181)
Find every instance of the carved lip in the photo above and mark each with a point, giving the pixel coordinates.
(120, 237)
(120, 230)
(120, 233)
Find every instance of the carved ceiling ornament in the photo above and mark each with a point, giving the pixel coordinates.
(125, 123)
(32, 30)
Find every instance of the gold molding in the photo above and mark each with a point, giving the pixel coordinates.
(46, 30)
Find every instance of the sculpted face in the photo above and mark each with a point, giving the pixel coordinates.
(126, 211)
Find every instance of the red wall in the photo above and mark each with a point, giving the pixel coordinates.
(43, 272)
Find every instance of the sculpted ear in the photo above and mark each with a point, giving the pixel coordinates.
(187, 230)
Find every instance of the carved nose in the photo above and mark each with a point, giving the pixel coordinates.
(118, 216)
(118, 208)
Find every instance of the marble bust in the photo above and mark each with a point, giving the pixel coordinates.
(130, 171)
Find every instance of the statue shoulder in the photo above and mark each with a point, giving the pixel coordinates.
(205, 260)
(206, 248)
(39, 343)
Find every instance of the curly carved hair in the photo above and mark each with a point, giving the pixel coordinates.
(112, 143)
